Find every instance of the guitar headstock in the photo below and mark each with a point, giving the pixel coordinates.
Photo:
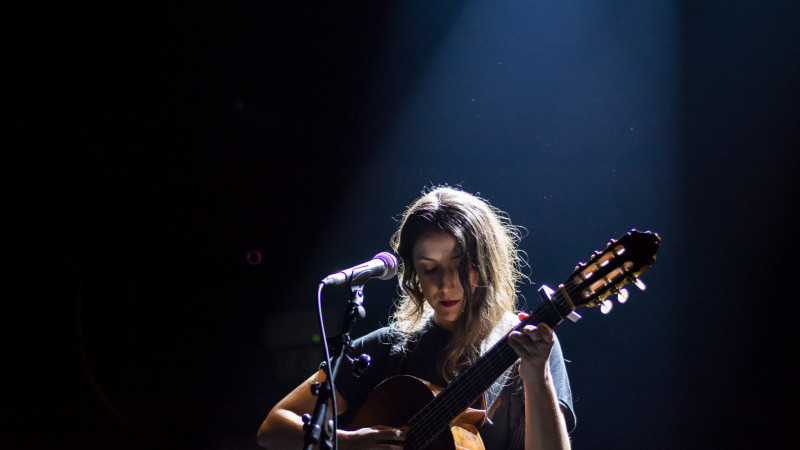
(607, 272)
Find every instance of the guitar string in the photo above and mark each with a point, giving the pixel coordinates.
(434, 418)
(430, 422)
(435, 421)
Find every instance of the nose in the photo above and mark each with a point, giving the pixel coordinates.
(450, 280)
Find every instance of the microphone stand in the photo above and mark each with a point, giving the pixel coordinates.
(313, 423)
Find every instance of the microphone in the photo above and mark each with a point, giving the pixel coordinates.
(382, 266)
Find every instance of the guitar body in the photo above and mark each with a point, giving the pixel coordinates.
(393, 402)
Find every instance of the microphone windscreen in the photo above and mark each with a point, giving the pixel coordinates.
(391, 265)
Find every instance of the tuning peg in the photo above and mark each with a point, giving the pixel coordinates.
(639, 284)
(605, 308)
(622, 295)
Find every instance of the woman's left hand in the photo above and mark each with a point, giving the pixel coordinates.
(533, 345)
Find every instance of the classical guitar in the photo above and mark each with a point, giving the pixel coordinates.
(429, 411)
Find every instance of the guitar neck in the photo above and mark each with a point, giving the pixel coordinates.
(475, 380)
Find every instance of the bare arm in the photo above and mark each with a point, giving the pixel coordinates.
(545, 426)
(283, 427)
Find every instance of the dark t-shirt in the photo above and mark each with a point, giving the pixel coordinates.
(506, 428)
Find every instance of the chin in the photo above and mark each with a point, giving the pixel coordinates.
(447, 322)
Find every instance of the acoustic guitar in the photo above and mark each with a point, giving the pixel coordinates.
(429, 410)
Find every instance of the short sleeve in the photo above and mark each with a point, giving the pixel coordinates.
(558, 369)
(506, 429)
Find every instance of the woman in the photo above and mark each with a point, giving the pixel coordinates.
(459, 266)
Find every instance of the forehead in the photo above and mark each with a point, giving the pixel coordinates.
(435, 245)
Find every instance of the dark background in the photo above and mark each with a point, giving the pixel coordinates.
(149, 152)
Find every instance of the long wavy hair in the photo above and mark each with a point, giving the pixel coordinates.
(487, 243)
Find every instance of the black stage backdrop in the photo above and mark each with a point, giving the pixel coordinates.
(173, 177)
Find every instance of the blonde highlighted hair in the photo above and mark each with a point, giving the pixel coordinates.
(487, 243)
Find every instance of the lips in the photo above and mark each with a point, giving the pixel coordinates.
(449, 303)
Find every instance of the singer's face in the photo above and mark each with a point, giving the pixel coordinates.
(436, 261)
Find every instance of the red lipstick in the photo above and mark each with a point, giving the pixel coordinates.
(449, 303)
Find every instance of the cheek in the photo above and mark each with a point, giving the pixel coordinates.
(424, 284)
(429, 287)
(473, 278)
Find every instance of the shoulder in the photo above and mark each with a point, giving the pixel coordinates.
(384, 337)
(393, 337)
(377, 334)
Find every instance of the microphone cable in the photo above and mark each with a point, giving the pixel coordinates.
(329, 371)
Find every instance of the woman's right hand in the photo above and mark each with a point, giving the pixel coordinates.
(377, 438)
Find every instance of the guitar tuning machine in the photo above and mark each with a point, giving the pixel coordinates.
(622, 295)
(639, 284)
